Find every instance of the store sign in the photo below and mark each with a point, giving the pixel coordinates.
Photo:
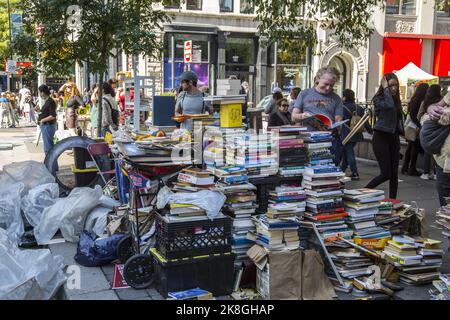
(188, 52)
(17, 26)
(11, 66)
(197, 56)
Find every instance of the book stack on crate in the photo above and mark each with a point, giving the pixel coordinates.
(287, 201)
(195, 253)
(215, 142)
(363, 206)
(324, 203)
(292, 152)
(277, 234)
(417, 260)
(318, 144)
(240, 206)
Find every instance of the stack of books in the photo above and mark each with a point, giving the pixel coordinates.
(287, 201)
(363, 205)
(443, 219)
(254, 152)
(350, 262)
(240, 206)
(277, 234)
(194, 180)
(442, 286)
(292, 152)
(418, 260)
(390, 221)
(319, 145)
(215, 141)
(324, 203)
(185, 211)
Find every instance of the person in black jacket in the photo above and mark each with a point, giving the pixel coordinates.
(281, 117)
(387, 131)
(351, 108)
(414, 148)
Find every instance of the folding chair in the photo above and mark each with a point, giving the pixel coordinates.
(101, 149)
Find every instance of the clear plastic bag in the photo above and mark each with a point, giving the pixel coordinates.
(28, 274)
(10, 215)
(37, 200)
(30, 173)
(211, 201)
(97, 220)
(68, 215)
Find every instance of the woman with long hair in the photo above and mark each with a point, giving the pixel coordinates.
(387, 131)
(433, 96)
(73, 103)
(414, 148)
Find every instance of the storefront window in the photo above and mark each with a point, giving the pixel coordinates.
(247, 7)
(226, 5)
(200, 59)
(443, 8)
(406, 7)
(194, 4)
(240, 50)
(175, 4)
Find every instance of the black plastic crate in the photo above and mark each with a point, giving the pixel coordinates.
(213, 273)
(176, 240)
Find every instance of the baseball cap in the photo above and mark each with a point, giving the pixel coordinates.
(188, 76)
(277, 90)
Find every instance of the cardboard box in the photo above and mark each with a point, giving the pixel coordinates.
(231, 116)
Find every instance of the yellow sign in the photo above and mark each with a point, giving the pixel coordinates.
(231, 116)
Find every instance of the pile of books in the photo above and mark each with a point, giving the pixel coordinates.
(277, 234)
(215, 141)
(442, 286)
(254, 152)
(350, 263)
(443, 219)
(418, 260)
(318, 144)
(363, 206)
(287, 201)
(293, 155)
(240, 206)
(181, 211)
(194, 180)
(324, 203)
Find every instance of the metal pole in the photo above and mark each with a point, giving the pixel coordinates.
(8, 80)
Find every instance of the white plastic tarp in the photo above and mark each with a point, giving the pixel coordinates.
(28, 274)
(37, 200)
(10, 215)
(68, 215)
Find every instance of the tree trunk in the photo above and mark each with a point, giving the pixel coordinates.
(100, 106)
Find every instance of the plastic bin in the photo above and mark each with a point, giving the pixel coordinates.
(175, 240)
(214, 273)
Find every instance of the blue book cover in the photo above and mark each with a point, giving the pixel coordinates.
(188, 294)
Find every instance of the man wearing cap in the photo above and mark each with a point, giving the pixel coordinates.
(191, 99)
(271, 108)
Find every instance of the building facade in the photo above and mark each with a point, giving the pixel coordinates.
(226, 42)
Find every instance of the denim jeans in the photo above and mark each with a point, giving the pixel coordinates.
(337, 149)
(442, 185)
(349, 158)
(48, 134)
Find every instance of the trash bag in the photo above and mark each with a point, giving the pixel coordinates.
(93, 251)
(30, 173)
(68, 215)
(28, 274)
(211, 201)
(97, 220)
(37, 200)
(10, 215)
(107, 202)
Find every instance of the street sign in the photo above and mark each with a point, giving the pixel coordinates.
(11, 66)
(197, 56)
(17, 26)
(188, 51)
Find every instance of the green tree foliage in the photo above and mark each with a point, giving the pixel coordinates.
(286, 20)
(4, 29)
(105, 25)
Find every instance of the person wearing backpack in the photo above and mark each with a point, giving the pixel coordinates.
(353, 113)
(110, 114)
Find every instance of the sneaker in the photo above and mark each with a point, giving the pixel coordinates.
(432, 177)
(425, 177)
(355, 177)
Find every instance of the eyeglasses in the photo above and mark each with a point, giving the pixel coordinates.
(285, 105)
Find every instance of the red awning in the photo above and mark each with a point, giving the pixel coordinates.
(441, 60)
(398, 52)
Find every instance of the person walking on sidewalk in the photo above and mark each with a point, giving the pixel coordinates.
(387, 131)
(5, 120)
(351, 109)
(47, 118)
(433, 96)
(109, 110)
(414, 148)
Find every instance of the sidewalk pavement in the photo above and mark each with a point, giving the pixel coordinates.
(96, 282)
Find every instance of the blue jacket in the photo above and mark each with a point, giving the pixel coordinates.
(349, 110)
(389, 117)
